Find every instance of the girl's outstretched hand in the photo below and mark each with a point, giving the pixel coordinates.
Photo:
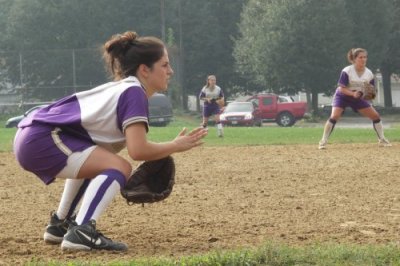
(185, 141)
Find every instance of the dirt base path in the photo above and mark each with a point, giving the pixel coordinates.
(225, 198)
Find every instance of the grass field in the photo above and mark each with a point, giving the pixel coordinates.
(239, 136)
(269, 253)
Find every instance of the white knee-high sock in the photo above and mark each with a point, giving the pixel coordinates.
(99, 194)
(329, 126)
(220, 129)
(72, 194)
(377, 124)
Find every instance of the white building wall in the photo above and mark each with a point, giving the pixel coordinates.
(192, 103)
(379, 101)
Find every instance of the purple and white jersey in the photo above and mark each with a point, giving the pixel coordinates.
(352, 81)
(212, 94)
(100, 114)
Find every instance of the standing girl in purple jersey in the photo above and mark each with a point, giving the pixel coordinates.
(78, 137)
(213, 99)
(348, 94)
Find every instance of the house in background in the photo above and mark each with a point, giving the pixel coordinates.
(379, 100)
(395, 83)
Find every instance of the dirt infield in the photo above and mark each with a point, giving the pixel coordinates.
(225, 198)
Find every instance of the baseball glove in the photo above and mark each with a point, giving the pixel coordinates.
(152, 181)
(220, 102)
(368, 91)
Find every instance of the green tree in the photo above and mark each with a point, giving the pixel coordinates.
(204, 43)
(391, 59)
(374, 28)
(45, 32)
(291, 46)
(207, 30)
(4, 16)
(370, 27)
(78, 24)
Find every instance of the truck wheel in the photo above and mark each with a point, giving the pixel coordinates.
(285, 119)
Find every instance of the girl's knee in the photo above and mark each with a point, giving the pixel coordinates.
(334, 119)
(376, 119)
(124, 167)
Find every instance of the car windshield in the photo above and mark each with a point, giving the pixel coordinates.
(239, 107)
(33, 109)
(285, 99)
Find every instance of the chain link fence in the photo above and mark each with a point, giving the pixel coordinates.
(33, 77)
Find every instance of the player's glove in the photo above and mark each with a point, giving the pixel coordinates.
(220, 102)
(368, 91)
(213, 100)
(152, 181)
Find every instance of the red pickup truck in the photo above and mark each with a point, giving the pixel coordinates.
(282, 110)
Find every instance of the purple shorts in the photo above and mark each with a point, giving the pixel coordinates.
(341, 100)
(44, 150)
(211, 109)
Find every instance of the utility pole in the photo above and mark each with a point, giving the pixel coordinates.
(181, 58)
(162, 9)
(73, 71)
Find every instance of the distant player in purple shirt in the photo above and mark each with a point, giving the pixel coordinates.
(213, 99)
(348, 94)
(78, 137)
